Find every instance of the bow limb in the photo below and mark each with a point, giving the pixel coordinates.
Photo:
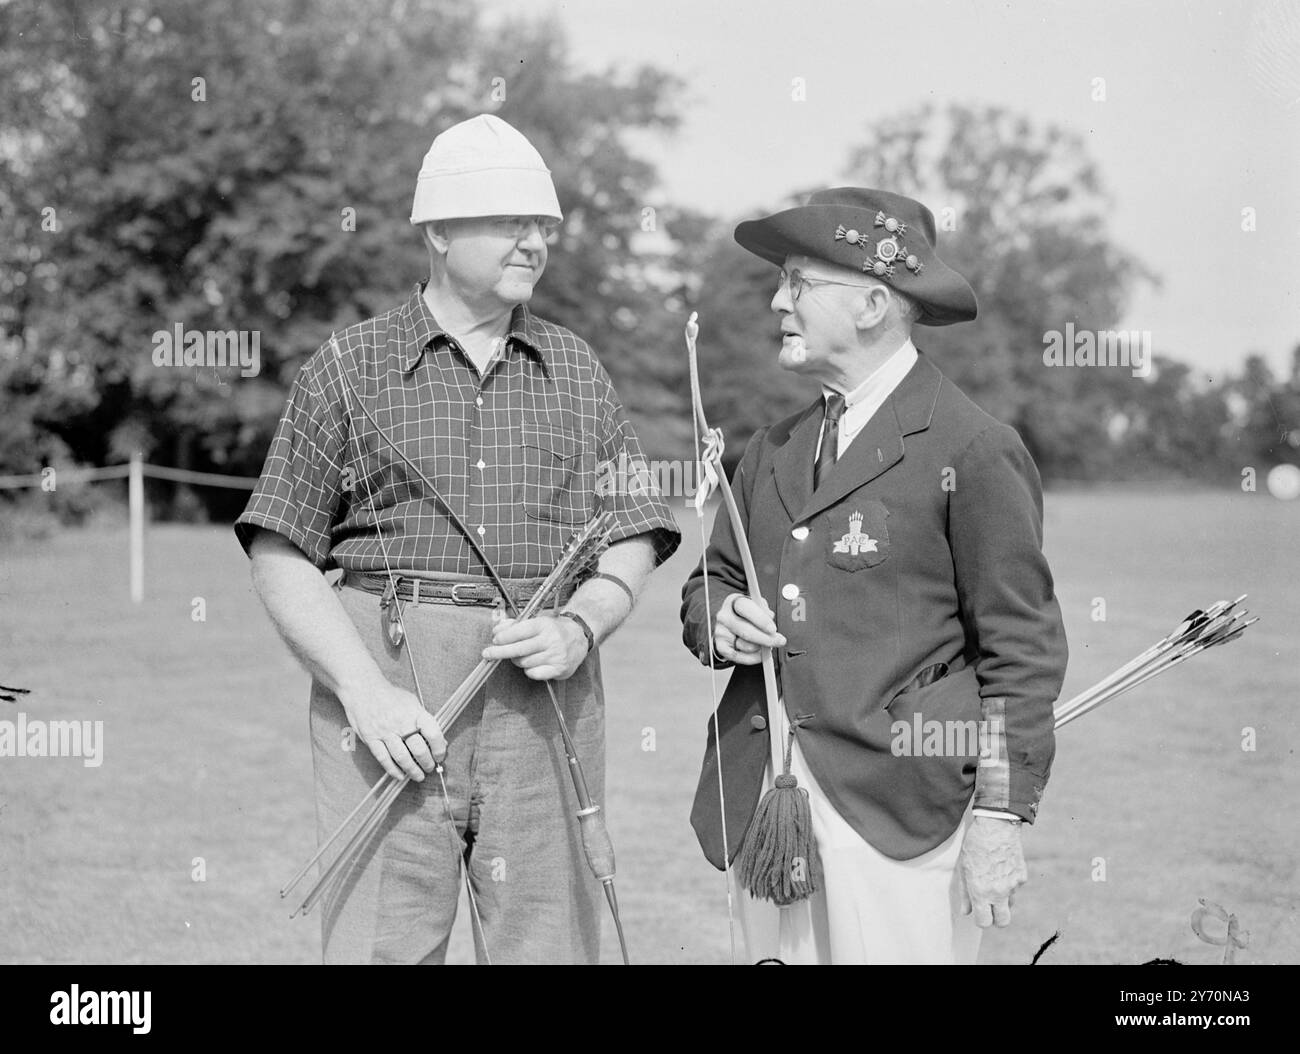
(708, 452)
(712, 440)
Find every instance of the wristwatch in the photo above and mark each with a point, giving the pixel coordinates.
(582, 625)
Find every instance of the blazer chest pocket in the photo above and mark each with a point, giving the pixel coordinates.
(556, 470)
(858, 536)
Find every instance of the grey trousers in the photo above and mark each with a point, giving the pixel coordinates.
(508, 816)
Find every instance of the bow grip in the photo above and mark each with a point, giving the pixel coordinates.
(596, 844)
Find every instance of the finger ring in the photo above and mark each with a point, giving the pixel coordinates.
(410, 734)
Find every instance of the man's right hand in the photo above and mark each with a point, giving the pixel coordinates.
(384, 717)
(742, 629)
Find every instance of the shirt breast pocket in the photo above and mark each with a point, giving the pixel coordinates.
(559, 474)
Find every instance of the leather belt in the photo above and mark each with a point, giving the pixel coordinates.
(472, 592)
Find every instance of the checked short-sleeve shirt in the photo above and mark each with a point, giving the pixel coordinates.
(519, 451)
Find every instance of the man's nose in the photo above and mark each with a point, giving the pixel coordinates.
(533, 239)
(781, 302)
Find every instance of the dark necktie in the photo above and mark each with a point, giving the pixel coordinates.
(830, 438)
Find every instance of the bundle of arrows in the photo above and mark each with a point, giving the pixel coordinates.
(579, 556)
(1217, 624)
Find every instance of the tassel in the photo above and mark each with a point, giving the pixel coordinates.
(779, 860)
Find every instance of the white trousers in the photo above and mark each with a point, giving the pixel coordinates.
(870, 909)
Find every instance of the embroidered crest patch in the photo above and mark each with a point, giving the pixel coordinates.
(860, 539)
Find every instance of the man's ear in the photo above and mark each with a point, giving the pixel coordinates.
(871, 307)
(435, 236)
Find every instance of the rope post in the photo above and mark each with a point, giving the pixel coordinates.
(135, 500)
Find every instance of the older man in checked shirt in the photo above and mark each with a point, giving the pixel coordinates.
(510, 416)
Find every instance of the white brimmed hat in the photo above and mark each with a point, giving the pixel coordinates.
(483, 167)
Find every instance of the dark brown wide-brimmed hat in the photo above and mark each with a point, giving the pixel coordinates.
(884, 235)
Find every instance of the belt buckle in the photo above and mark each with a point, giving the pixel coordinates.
(455, 597)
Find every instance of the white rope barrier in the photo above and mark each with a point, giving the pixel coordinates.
(134, 472)
(94, 475)
(207, 479)
(71, 475)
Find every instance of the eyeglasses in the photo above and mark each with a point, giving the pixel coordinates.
(796, 281)
(517, 227)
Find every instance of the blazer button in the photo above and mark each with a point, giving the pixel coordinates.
(758, 722)
(799, 533)
(790, 591)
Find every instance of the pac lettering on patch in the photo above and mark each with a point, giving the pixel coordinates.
(858, 535)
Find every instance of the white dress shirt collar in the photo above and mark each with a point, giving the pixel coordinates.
(861, 404)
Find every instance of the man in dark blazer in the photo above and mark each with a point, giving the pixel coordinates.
(897, 529)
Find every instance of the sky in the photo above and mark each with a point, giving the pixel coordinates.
(1200, 120)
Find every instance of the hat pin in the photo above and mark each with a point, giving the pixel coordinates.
(850, 235)
(890, 224)
(888, 250)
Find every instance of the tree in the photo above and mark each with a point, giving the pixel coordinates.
(1022, 213)
(1268, 413)
(742, 386)
(1177, 425)
(249, 166)
(596, 283)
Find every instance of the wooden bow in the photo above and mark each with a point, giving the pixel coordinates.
(709, 446)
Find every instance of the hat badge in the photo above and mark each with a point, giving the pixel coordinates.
(851, 236)
(889, 251)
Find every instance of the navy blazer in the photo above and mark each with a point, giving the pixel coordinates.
(923, 546)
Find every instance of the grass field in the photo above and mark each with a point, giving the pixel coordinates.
(205, 752)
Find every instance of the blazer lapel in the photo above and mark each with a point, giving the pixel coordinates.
(879, 446)
(792, 464)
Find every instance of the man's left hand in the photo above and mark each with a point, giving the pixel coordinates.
(546, 649)
(992, 868)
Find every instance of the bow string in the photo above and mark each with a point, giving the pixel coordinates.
(709, 446)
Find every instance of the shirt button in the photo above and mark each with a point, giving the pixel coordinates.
(478, 401)
(800, 533)
(790, 591)
(482, 530)
(758, 722)
(479, 464)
